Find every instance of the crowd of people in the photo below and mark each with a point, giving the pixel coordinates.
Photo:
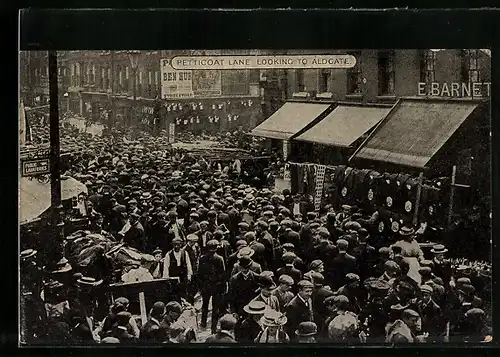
(272, 268)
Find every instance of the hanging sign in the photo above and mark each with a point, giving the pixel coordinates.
(35, 167)
(171, 133)
(320, 180)
(175, 84)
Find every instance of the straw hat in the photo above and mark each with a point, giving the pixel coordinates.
(273, 318)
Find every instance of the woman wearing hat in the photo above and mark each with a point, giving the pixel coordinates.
(411, 251)
(306, 332)
(272, 321)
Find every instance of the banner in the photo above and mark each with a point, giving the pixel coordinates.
(207, 83)
(171, 133)
(175, 84)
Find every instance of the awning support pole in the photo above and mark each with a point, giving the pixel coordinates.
(417, 201)
(452, 194)
(55, 175)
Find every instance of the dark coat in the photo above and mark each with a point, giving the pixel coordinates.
(242, 290)
(432, 321)
(365, 256)
(254, 266)
(318, 298)
(247, 331)
(339, 267)
(211, 271)
(135, 237)
(290, 236)
(152, 332)
(194, 254)
(297, 312)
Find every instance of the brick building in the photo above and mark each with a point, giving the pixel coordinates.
(385, 75)
(101, 87)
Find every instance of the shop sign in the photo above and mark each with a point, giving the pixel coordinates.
(175, 84)
(35, 167)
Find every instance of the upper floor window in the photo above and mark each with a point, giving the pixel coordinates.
(386, 73)
(470, 66)
(428, 60)
(355, 76)
(324, 78)
(299, 80)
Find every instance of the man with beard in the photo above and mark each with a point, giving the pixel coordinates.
(177, 264)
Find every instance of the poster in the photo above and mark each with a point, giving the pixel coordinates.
(207, 83)
(175, 84)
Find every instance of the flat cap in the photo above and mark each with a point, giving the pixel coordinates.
(286, 279)
(408, 313)
(174, 306)
(289, 257)
(303, 284)
(315, 263)
(352, 277)
(426, 289)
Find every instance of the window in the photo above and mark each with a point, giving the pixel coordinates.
(109, 79)
(324, 79)
(73, 74)
(235, 82)
(127, 79)
(355, 76)
(120, 80)
(470, 66)
(386, 73)
(92, 79)
(150, 84)
(299, 80)
(428, 66)
(103, 78)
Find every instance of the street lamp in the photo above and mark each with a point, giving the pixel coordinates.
(134, 57)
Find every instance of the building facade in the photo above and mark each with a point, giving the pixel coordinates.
(385, 75)
(125, 88)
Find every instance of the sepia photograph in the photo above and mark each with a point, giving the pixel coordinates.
(338, 197)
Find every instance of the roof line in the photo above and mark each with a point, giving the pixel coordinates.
(379, 125)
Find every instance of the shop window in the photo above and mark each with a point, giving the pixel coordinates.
(386, 73)
(324, 78)
(355, 76)
(299, 80)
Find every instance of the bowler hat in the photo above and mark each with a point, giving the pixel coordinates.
(88, 281)
(286, 279)
(406, 231)
(245, 251)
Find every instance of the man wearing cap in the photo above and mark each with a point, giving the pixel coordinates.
(365, 254)
(266, 239)
(289, 269)
(432, 319)
(404, 330)
(288, 235)
(267, 286)
(232, 260)
(300, 309)
(211, 278)
(341, 265)
(352, 291)
(173, 227)
(319, 295)
(226, 332)
(242, 286)
(177, 264)
(283, 291)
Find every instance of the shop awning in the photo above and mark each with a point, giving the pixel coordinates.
(34, 196)
(415, 129)
(287, 121)
(344, 125)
